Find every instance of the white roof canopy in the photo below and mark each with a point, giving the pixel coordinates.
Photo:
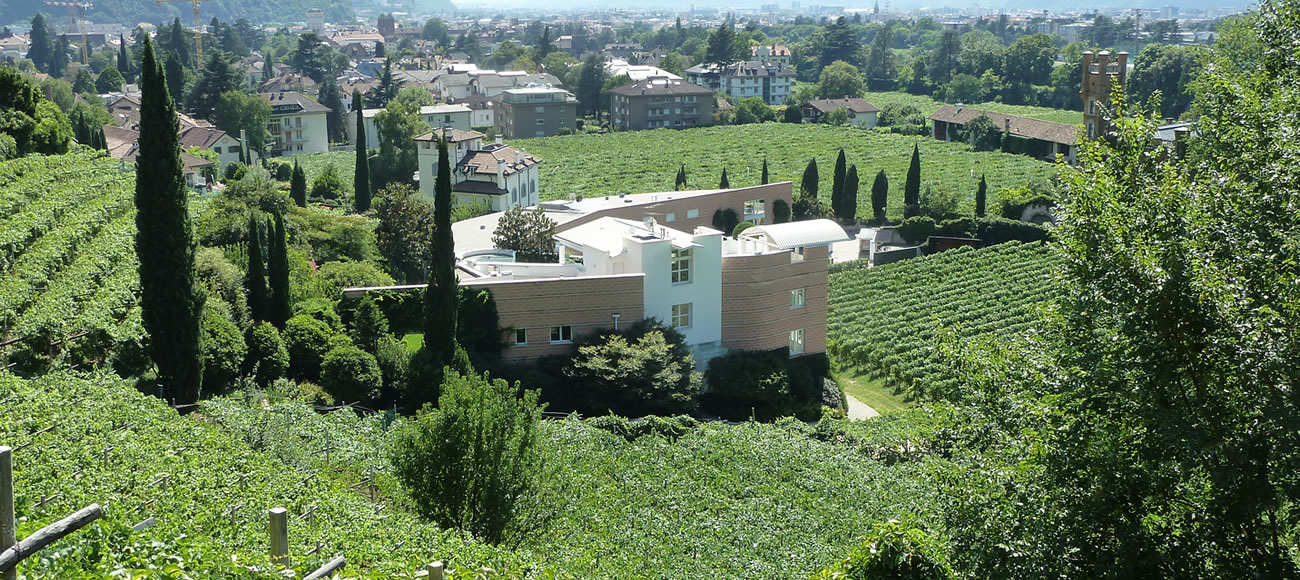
(798, 234)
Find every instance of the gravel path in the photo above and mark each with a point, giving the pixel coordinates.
(859, 410)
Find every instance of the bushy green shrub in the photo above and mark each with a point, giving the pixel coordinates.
(893, 550)
(222, 348)
(322, 310)
(267, 358)
(631, 429)
(962, 227)
(347, 274)
(307, 340)
(471, 462)
(394, 365)
(369, 325)
(763, 385)
(351, 375)
(741, 227)
(646, 370)
(224, 282)
(780, 211)
(327, 185)
(996, 230)
(917, 229)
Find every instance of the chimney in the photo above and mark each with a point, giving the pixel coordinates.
(519, 157)
(1006, 126)
(500, 141)
(501, 173)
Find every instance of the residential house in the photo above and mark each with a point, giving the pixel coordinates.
(770, 80)
(124, 145)
(771, 53)
(1041, 139)
(436, 116)
(660, 102)
(297, 124)
(483, 109)
(212, 139)
(462, 81)
(535, 112)
(861, 113)
(14, 48)
(636, 72)
(495, 175)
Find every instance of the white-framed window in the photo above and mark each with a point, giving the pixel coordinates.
(681, 266)
(539, 109)
(797, 298)
(796, 341)
(670, 217)
(692, 214)
(561, 334)
(681, 315)
(754, 207)
(521, 337)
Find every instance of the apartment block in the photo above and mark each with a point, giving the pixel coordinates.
(659, 102)
(536, 112)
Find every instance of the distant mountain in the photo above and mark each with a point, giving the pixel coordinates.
(131, 12)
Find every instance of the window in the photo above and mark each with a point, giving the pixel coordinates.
(541, 121)
(797, 298)
(521, 337)
(681, 315)
(216, 150)
(561, 108)
(670, 217)
(561, 334)
(796, 341)
(754, 207)
(234, 149)
(681, 266)
(539, 109)
(539, 133)
(692, 214)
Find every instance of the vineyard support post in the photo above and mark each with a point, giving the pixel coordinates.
(279, 536)
(435, 571)
(8, 528)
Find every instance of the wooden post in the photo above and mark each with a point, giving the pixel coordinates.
(435, 571)
(8, 529)
(279, 531)
(324, 571)
(48, 535)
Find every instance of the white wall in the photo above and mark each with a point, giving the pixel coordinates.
(703, 292)
(314, 137)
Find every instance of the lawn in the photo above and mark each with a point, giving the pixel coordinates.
(413, 341)
(647, 161)
(928, 106)
(874, 391)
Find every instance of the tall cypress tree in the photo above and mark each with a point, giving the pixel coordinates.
(124, 59)
(837, 184)
(849, 201)
(298, 185)
(763, 178)
(912, 187)
(724, 184)
(808, 186)
(171, 300)
(175, 69)
(255, 281)
(880, 196)
(40, 47)
(361, 177)
(440, 297)
(981, 197)
(281, 306)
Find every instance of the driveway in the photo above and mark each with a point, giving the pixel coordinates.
(859, 410)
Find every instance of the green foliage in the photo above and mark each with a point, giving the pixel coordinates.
(298, 186)
(351, 375)
(369, 325)
(109, 81)
(761, 385)
(725, 220)
(327, 185)
(472, 462)
(236, 111)
(893, 550)
(223, 282)
(171, 300)
(403, 231)
(307, 340)
(441, 296)
(912, 187)
(36, 125)
(321, 309)
(840, 80)
(259, 300)
(529, 233)
(267, 358)
(981, 197)
(478, 327)
(280, 301)
(222, 348)
(917, 229)
(981, 134)
(644, 371)
(740, 228)
(780, 211)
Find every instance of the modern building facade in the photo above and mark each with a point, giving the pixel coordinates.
(297, 124)
(660, 102)
(535, 112)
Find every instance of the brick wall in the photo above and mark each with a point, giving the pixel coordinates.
(756, 313)
(585, 303)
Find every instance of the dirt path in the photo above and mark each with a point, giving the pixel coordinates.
(859, 410)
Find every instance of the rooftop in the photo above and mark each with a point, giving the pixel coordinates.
(1019, 126)
(660, 86)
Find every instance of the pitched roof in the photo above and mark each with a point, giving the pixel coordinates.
(772, 50)
(854, 105)
(201, 137)
(123, 144)
(284, 102)
(479, 187)
(456, 135)
(755, 68)
(660, 86)
(487, 159)
(1020, 126)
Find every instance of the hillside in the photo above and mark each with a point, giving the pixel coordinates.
(646, 161)
(894, 320)
(131, 12)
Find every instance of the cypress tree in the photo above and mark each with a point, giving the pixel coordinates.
(440, 298)
(763, 178)
(361, 178)
(808, 186)
(724, 184)
(171, 300)
(281, 306)
(880, 196)
(849, 202)
(912, 187)
(176, 79)
(40, 46)
(981, 198)
(298, 185)
(255, 281)
(124, 59)
(837, 184)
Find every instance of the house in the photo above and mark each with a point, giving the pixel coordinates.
(625, 258)
(14, 48)
(124, 145)
(436, 116)
(535, 112)
(1041, 139)
(315, 19)
(623, 50)
(462, 81)
(771, 53)
(495, 175)
(483, 109)
(297, 124)
(660, 102)
(226, 147)
(770, 80)
(861, 113)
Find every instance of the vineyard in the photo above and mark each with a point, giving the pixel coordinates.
(647, 161)
(928, 106)
(890, 319)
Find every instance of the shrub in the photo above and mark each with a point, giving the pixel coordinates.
(222, 348)
(645, 371)
(740, 227)
(764, 385)
(223, 280)
(234, 171)
(307, 341)
(916, 229)
(670, 428)
(995, 230)
(327, 185)
(394, 365)
(893, 550)
(780, 211)
(471, 462)
(266, 354)
(962, 227)
(312, 394)
(340, 275)
(322, 310)
(368, 325)
(352, 375)
(281, 170)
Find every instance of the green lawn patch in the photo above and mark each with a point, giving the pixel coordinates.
(413, 341)
(875, 392)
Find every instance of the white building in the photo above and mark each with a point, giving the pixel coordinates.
(316, 20)
(494, 175)
(436, 116)
(226, 147)
(636, 72)
(770, 80)
(297, 124)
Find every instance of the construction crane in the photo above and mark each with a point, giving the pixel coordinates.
(77, 16)
(198, 27)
